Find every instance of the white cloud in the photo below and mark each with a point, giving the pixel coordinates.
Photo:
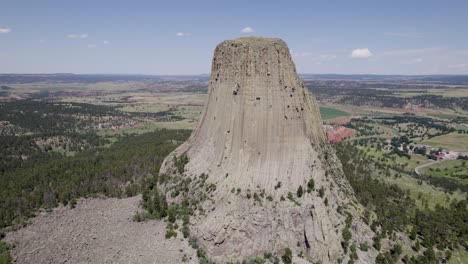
(183, 34)
(247, 30)
(5, 30)
(92, 46)
(42, 41)
(106, 42)
(457, 66)
(361, 53)
(78, 36)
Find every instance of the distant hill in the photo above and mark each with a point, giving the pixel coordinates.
(95, 78)
(90, 78)
(435, 79)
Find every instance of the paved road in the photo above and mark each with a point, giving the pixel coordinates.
(416, 170)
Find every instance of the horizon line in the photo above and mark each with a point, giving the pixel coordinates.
(207, 74)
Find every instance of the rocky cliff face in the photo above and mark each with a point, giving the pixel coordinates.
(258, 143)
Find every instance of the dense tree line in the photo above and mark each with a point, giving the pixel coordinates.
(112, 171)
(15, 151)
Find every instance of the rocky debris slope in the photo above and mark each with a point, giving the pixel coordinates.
(257, 169)
(97, 231)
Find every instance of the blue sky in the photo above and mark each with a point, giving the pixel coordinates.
(178, 37)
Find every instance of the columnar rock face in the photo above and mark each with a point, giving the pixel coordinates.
(259, 140)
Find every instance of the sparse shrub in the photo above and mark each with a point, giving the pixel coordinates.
(137, 217)
(186, 231)
(376, 244)
(181, 162)
(321, 192)
(396, 251)
(73, 203)
(353, 255)
(170, 232)
(278, 185)
(364, 246)
(202, 257)
(257, 260)
(172, 213)
(257, 198)
(300, 191)
(287, 256)
(193, 243)
(346, 236)
(310, 185)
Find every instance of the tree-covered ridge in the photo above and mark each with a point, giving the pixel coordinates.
(434, 233)
(112, 171)
(32, 130)
(41, 116)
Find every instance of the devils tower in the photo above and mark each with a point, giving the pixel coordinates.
(259, 172)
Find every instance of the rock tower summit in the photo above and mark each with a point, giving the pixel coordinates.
(258, 141)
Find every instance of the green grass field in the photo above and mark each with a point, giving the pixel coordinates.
(452, 169)
(459, 256)
(451, 141)
(420, 192)
(330, 113)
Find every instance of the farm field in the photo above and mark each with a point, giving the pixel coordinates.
(330, 113)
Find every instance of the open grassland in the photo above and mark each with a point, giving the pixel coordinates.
(452, 141)
(459, 256)
(394, 160)
(330, 113)
(135, 101)
(452, 169)
(423, 193)
(149, 126)
(187, 107)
